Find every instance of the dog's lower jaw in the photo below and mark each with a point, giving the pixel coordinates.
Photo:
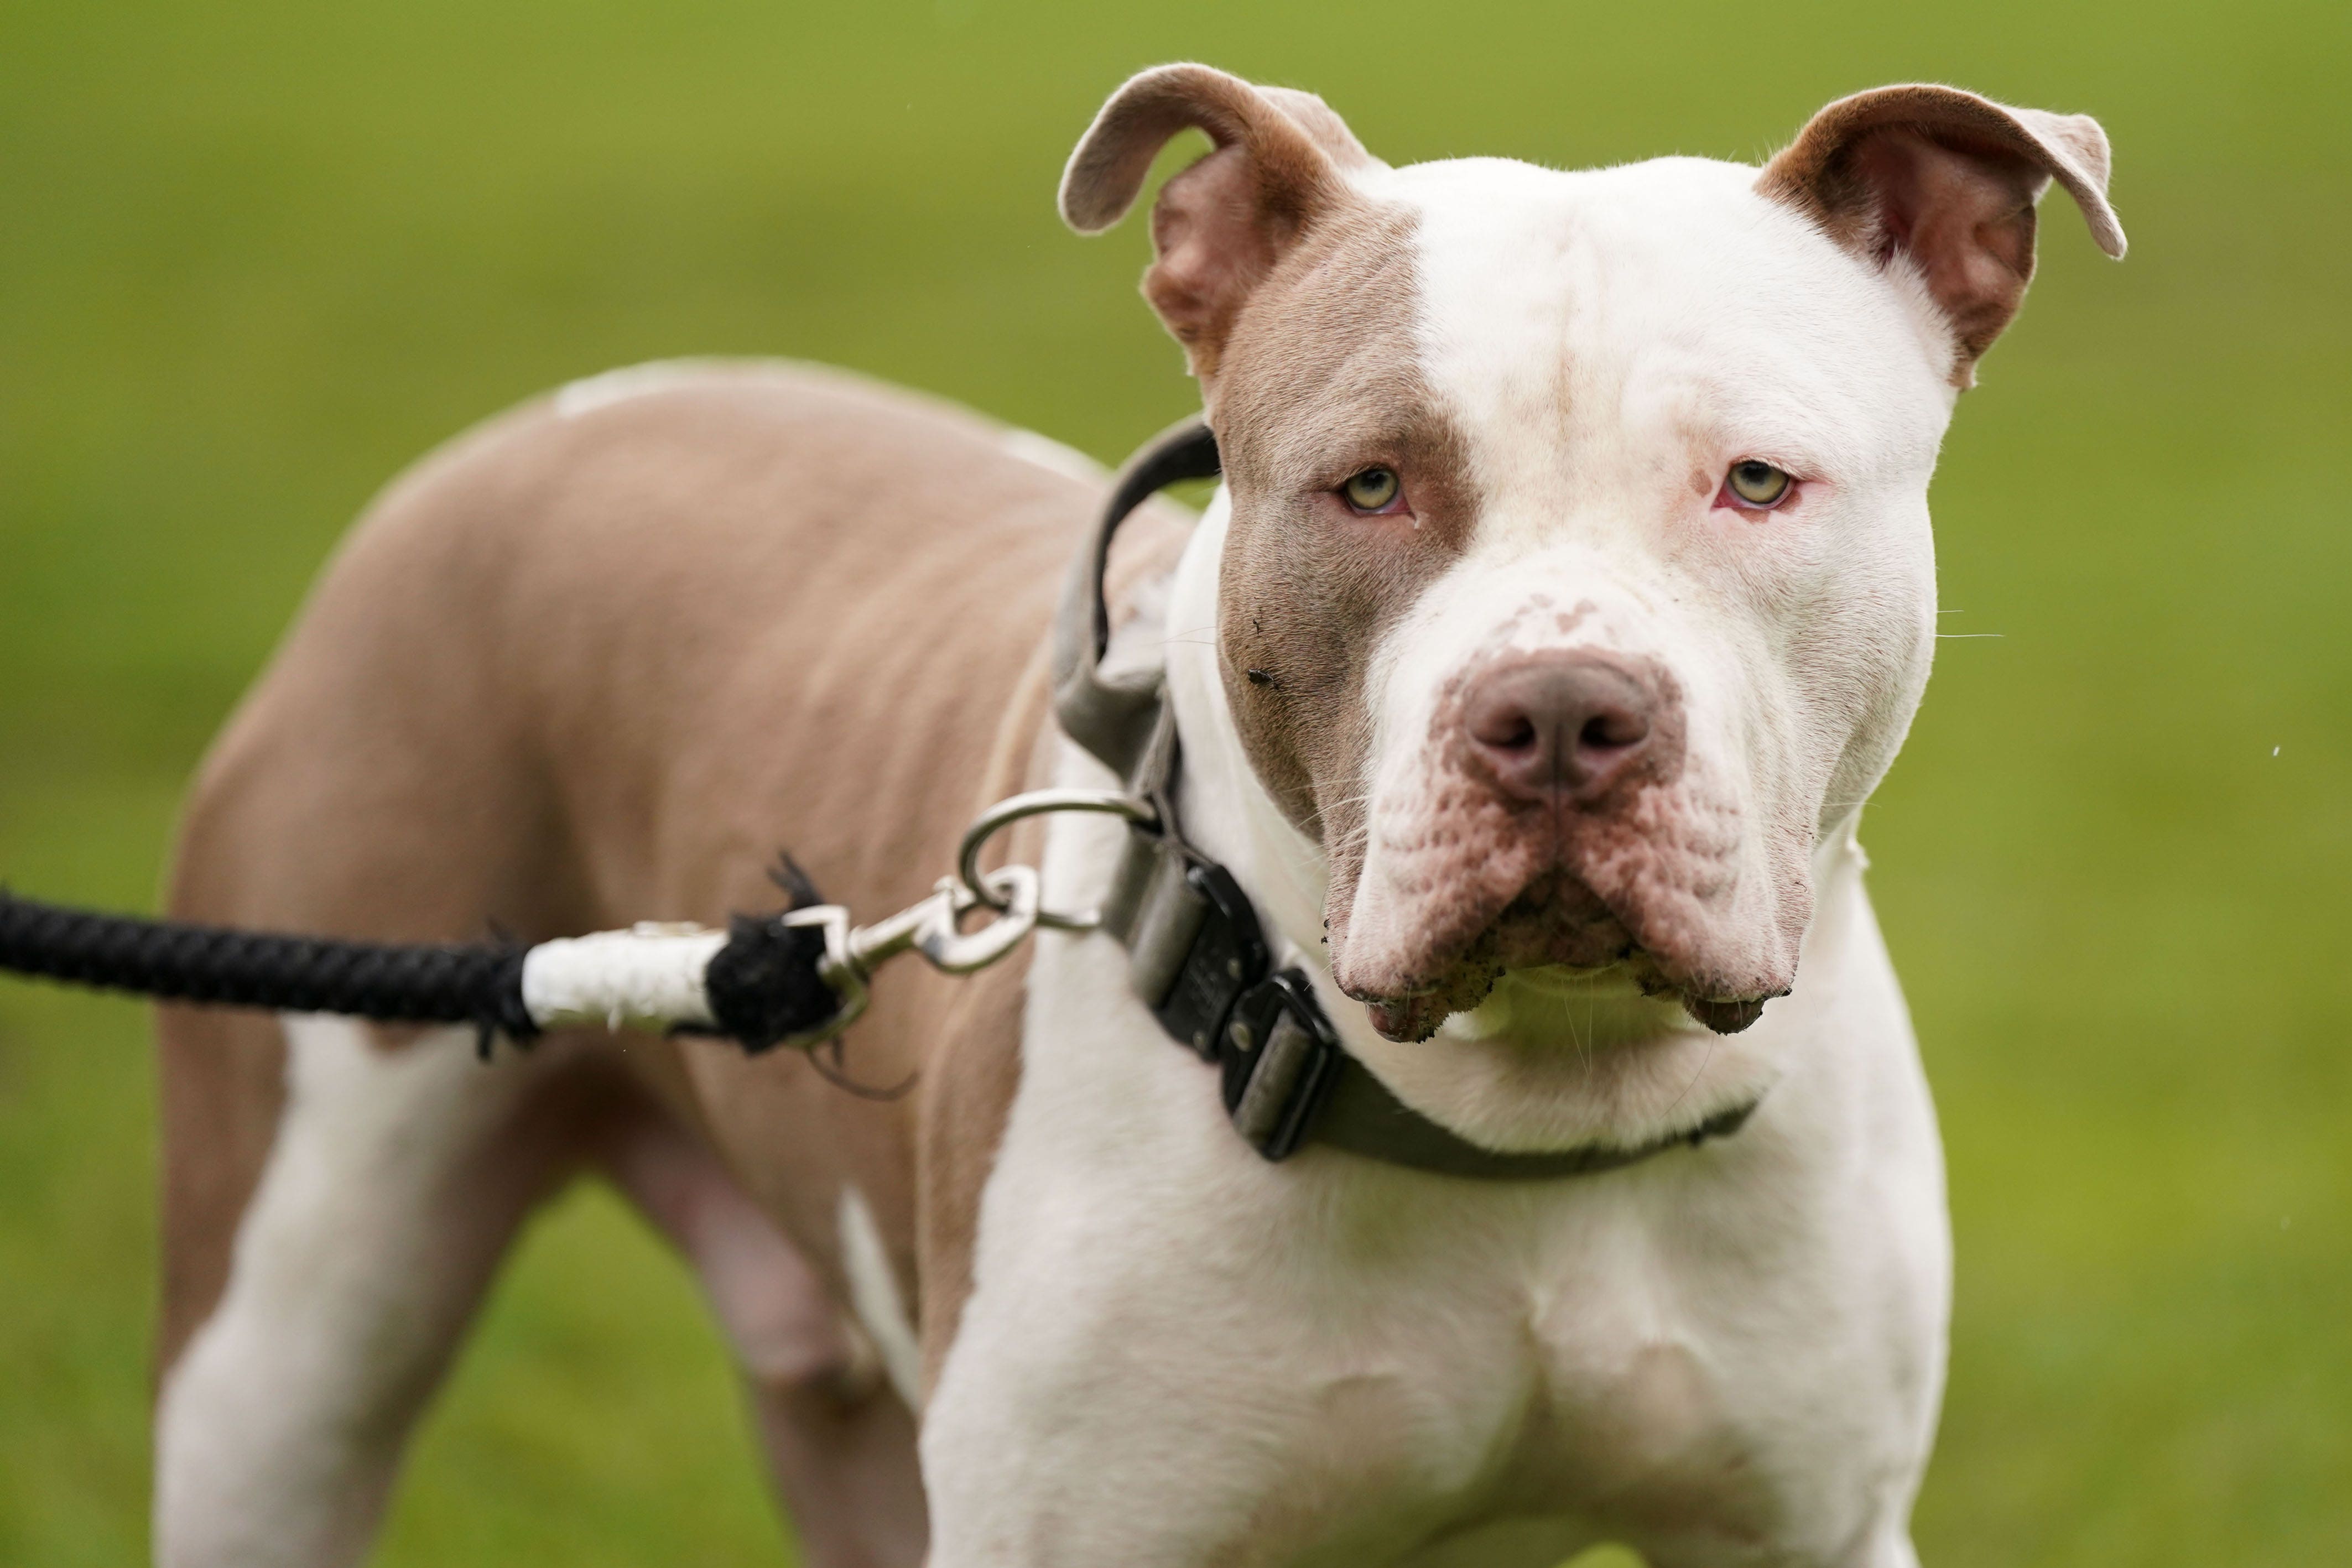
(1419, 1017)
(1410, 1019)
(1546, 1064)
(1609, 1005)
(1408, 1022)
(1411, 1012)
(1726, 1016)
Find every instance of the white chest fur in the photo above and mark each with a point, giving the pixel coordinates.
(1177, 1354)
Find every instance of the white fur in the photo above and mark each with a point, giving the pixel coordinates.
(272, 1441)
(1175, 1353)
(1396, 1357)
(1601, 337)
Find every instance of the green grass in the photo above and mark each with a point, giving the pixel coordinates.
(258, 257)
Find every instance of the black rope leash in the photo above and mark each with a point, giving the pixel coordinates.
(173, 960)
(797, 979)
(765, 984)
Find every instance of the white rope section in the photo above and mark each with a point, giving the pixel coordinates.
(650, 975)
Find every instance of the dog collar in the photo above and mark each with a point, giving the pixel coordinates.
(1197, 954)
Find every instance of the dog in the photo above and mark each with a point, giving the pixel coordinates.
(1570, 588)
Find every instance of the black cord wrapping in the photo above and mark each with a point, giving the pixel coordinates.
(765, 983)
(768, 982)
(171, 960)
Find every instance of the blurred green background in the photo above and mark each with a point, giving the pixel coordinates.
(256, 256)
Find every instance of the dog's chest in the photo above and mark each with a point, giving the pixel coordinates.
(1548, 1367)
(1637, 1425)
(1173, 1342)
(1321, 1361)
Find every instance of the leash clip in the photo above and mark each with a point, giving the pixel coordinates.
(933, 926)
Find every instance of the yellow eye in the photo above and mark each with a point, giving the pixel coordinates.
(1370, 490)
(1759, 483)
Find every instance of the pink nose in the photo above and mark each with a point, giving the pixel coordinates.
(1559, 724)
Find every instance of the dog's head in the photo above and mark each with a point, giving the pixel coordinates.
(1579, 577)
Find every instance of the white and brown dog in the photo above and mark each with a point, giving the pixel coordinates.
(1570, 591)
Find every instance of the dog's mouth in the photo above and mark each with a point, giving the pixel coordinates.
(1555, 923)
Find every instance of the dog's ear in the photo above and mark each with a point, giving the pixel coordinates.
(1278, 161)
(1949, 181)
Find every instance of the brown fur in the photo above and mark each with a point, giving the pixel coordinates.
(1949, 180)
(576, 671)
(1294, 298)
(1322, 380)
(1221, 226)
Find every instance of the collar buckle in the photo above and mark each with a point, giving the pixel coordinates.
(1196, 946)
(1280, 1058)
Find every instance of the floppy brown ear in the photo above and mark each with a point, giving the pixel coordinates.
(1948, 180)
(1277, 163)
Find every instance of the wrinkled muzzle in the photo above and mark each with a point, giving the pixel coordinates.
(1555, 810)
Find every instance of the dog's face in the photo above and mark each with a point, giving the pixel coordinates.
(1579, 577)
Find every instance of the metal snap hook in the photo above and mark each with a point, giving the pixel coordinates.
(933, 925)
(947, 947)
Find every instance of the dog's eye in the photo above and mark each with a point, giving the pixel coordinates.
(1373, 490)
(1758, 483)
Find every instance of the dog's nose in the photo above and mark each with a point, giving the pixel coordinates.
(1551, 726)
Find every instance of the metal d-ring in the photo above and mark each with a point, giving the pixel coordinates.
(1038, 803)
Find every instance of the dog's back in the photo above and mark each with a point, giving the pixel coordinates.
(599, 662)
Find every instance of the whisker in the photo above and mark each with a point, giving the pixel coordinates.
(1703, 1063)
